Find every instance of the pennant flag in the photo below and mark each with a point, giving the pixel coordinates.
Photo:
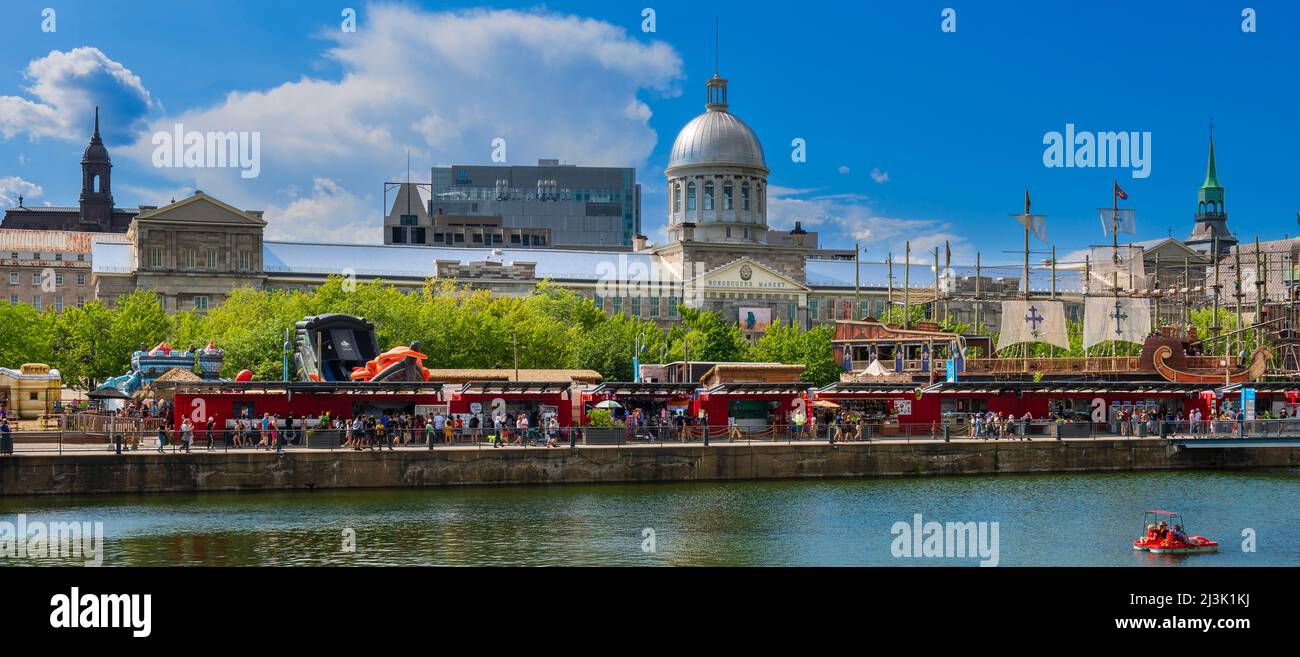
(1123, 319)
(1119, 192)
(1033, 321)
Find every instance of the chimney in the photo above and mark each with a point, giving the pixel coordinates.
(639, 243)
(798, 236)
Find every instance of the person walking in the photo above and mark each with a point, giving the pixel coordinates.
(162, 437)
(208, 429)
(187, 435)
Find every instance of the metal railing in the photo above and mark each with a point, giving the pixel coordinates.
(143, 442)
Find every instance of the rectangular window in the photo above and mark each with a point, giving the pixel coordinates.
(155, 257)
(200, 303)
(58, 257)
(600, 303)
(408, 220)
(672, 306)
(58, 303)
(212, 258)
(726, 196)
(636, 306)
(790, 313)
(36, 279)
(13, 299)
(81, 279)
(13, 278)
(654, 306)
(419, 236)
(81, 302)
(36, 302)
(245, 260)
(399, 235)
(618, 305)
(812, 309)
(189, 258)
(58, 278)
(728, 231)
(437, 238)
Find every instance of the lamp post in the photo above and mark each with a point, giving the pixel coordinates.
(637, 349)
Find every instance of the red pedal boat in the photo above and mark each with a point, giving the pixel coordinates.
(1162, 533)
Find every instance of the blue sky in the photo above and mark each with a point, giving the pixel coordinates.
(950, 124)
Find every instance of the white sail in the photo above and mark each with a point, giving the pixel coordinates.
(1106, 270)
(1124, 319)
(1033, 321)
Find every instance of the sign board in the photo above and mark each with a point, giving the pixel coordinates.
(755, 319)
(903, 406)
(1248, 403)
(429, 410)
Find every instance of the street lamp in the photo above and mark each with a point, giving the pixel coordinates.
(637, 349)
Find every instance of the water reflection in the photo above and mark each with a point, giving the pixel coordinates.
(1043, 519)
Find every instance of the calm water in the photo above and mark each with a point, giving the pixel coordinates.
(1043, 520)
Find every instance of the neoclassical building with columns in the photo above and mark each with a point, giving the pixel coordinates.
(718, 255)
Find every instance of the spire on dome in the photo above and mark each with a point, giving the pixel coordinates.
(96, 122)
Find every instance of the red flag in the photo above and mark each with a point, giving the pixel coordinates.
(1120, 193)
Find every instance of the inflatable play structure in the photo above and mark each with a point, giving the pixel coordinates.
(339, 347)
(29, 391)
(146, 366)
(329, 347)
(396, 364)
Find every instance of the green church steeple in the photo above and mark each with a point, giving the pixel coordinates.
(1211, 172)
(1211, 234)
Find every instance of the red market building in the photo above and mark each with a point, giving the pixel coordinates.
(750, 405)
(226, 401)
(665, 401)
(489, 399)
(903, 408)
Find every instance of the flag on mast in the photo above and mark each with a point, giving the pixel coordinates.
(1034, 223)
(1121, 219)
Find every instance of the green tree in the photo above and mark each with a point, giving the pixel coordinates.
(814, 349)
(25, 335)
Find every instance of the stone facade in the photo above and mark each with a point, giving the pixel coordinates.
(192, 253)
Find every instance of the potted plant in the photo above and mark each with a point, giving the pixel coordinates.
(603, 429)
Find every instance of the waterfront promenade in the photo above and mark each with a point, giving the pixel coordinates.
(145, 470)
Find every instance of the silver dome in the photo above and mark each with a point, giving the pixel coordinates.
(717, 137)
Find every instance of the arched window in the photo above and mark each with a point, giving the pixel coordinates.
(726, 196)
(94, 183)
(744, 197)
(708, 195)
(1202, 207)
(758, 191)
(690, 197)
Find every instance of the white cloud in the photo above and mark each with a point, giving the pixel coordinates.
(441, 86)
(11, 187)
(67, 86)
(349, 217)
(879, 176)
(843, 169)
(841, 219)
